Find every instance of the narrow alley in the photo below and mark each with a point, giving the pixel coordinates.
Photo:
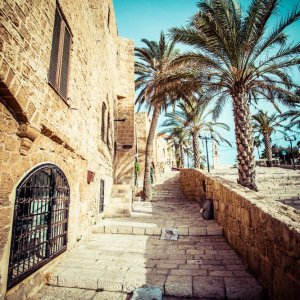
(126, 253)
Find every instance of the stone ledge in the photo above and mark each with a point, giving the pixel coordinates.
(156, 230)
(263, 231)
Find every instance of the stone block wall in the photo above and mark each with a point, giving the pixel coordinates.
(124, 110)
(142, 131)
(37, 126)
(264, 232)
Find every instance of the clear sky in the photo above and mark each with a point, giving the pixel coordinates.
(139, 19)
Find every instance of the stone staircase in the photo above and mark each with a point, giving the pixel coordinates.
(274, 183)
(120, 203)
(285, 189)
(125, 253)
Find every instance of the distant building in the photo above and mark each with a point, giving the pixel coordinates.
(66, 129)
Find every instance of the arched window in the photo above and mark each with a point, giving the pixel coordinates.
(40, 224)
(103, 122)
(108, 139)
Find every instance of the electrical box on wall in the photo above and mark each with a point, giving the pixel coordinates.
(90, 176)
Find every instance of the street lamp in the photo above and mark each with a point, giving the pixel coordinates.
(291, 139)
(206, 138)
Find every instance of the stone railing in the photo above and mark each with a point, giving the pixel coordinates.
(264, 232)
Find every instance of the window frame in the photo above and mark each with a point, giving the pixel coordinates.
(64, 25)
(103, 122)
(108, 130)
(102, 196)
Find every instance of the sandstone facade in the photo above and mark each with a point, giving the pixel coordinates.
(163, 151)
(38, 126)
(164, 154)
(264, 232)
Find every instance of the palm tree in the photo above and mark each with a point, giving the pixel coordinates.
(266, 125)
(192, 114)
(155, 83)
(233, 61)
(293, 115)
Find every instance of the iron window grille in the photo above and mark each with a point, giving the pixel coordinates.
(101, 203)
(40, 222)
(60, 55)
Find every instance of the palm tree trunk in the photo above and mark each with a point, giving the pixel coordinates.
(149, 154)
(244, 140)
(196, 150)
(268, 149)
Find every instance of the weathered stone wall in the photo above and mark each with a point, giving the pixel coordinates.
(161, 154)
(125, 130)
(37, 126)
(265, 232)
(142, 130)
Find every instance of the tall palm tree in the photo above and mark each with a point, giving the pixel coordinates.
(233, 61)
(293, 115)
(155, 85)
(266, 125)
(193, 115)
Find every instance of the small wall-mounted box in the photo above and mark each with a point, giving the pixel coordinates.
(90, 176)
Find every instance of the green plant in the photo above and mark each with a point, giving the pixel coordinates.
(137, 167)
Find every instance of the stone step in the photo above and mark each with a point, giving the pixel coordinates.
(201, 267)
(120, 199)
(149, 229)
(118, 209)
(282, 197)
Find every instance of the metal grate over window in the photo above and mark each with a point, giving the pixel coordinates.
(101, 204)
(40, 221)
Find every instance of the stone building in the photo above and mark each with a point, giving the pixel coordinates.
(142, 125)
(163, 150)
(164, 153)
(66, 129)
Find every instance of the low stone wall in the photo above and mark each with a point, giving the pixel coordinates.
(264, 232)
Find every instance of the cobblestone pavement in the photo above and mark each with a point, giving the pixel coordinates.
(111, 265)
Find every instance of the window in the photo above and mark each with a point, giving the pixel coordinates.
(108, 17)
(103, 121)
(60, 55)
(108, 130)
(101, 204)
(40, 225)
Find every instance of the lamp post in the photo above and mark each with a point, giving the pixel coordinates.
(206, 139)
(291, 139)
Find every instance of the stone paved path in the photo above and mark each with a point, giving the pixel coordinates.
(274, 183)
(127, 253)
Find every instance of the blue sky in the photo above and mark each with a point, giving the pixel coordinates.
(139, 19)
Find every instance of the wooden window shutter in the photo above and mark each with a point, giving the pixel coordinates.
(101, 204)
(108, 130)
(63, 86)
(103, 122)
(53, 70)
